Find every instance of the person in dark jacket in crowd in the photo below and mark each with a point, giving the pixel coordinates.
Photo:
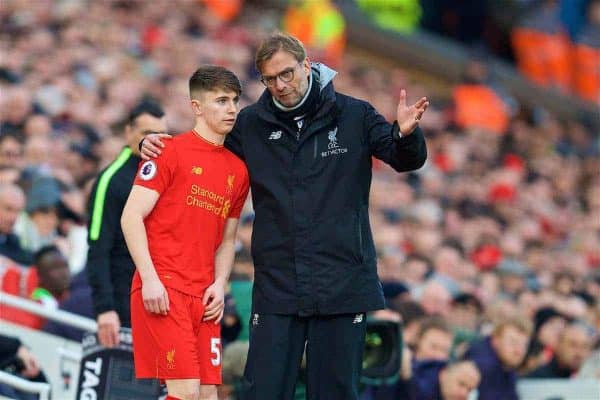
(16, 359)
(498, 356)
(574, 346)
(309, 150)
(109, 265)
(79, 302)
(434, 379)
(12, 203)
(434, 340)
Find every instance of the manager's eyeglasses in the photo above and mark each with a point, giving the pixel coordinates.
(285, 76)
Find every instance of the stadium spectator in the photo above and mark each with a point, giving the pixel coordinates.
(440, 380)
(53, 280)
(38, 227)
(548, 327)
(11, 150)
(16, 358)
(53, 276)
(79, 301)
(411, 313)
(542, 46)
(498, 356)
(434, 340)
(434, 297)
(587, 56)
(573, 348)
(12, 202)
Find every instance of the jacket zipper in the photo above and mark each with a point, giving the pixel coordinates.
(315, 147)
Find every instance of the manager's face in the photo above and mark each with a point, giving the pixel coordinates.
(286, 78)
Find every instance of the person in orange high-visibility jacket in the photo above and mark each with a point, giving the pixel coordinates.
(225, 10)
(320, 25)
(586, 57)
(477, 104)
(542, 47)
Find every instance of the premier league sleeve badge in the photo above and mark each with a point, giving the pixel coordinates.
(148, 170)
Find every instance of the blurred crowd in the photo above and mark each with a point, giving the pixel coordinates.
(499, 228)
(554, 43)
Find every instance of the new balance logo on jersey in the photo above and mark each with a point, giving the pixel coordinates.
(197, 170)
(358, 318)
(275, 135)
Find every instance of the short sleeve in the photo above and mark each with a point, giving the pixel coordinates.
(157, 174)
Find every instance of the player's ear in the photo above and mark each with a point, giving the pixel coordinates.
(196, 107)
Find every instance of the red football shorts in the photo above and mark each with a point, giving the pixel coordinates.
(177, 345)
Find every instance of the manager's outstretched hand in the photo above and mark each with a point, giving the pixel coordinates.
(408, 116)
(152, 144)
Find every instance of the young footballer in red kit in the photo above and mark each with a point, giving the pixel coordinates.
(179, 223)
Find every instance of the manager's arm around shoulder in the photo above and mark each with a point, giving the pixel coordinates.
(150, 146)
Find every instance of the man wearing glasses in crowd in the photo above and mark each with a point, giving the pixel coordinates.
(308, 151)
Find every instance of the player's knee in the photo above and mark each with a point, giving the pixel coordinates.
(208, 392)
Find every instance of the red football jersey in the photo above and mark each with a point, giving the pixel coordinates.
(200, 186)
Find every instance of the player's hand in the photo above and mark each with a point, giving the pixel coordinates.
(32, 368)
(408, 117)
(108, 328)
(214, 302)
(152, 144)
(156, 299)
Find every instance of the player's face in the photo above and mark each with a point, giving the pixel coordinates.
(286, 78)
(219, 109)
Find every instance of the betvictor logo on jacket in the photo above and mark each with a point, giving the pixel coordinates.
(332, 146)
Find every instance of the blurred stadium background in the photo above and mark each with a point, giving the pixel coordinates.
(503, 221)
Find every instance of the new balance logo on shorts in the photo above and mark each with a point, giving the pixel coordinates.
(255, 320)
(358, 318)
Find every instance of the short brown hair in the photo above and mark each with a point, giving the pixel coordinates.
(519, 322)
(433, 323)
(211, 77)
(275, 42)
